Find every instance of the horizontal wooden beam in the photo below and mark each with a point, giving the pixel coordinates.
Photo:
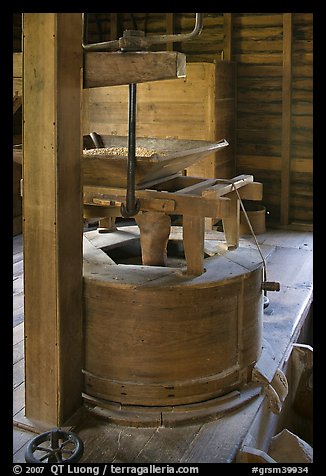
(171, 203)
(197, 187)
(225, 187)
(114, 68)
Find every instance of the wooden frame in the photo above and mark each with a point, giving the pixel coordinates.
(191, 197)
(52, 215)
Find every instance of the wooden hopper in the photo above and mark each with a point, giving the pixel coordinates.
(170, 156)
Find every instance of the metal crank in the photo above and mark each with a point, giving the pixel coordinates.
(269, 286)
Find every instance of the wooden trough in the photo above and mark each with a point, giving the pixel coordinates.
(170, 157)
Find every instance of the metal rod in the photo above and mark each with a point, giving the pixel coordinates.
(130, 198)
(102, 46)
(157, 39)
(132, 206)
(147, 41)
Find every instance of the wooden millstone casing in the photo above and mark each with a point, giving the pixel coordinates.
(156, 337)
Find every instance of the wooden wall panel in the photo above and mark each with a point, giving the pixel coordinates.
(286, 118)
(258, 51)
(301, 183)
(208, 46)
(257, 47)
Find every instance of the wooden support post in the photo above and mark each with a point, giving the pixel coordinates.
(286, 117)
(107, 224)
(170, 30)
(114, 26)
(193, 243)
(228, 27)
(231, 225)
(154, 236)
(52, 214)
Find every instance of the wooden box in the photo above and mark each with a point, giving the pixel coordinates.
(200, 107)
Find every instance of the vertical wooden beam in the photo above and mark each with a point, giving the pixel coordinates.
(113, 26)
(52, 214)
(286, 118)
(231, 224)
(193, 243)
(169, 30)
(228, 27)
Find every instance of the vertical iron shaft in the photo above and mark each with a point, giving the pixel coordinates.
(130, 199)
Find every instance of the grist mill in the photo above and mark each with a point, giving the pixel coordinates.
(162, 238)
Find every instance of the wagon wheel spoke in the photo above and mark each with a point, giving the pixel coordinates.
(65, 442)
(41, 448)
(70, 452)
(66, 450)
(45, 456)
(58, 457)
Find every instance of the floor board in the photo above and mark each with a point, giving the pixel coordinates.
(21, 439)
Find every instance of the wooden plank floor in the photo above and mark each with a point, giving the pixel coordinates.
(20, 437)
(290, 263)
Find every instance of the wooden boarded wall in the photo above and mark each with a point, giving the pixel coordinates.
(301, 198)
(274, 109)
(258, 50)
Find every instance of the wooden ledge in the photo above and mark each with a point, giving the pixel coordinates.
(172, 416)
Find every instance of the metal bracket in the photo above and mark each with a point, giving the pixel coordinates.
(130, 212)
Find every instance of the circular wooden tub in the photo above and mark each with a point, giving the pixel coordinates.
(156, 337)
